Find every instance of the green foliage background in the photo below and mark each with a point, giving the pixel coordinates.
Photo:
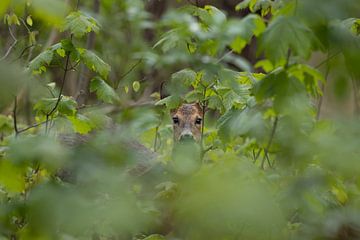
(81, 119)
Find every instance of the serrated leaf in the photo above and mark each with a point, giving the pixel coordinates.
(81, 124)
(61, 52)
(186, 76)
(243, 30)
(38, 65)
(171, 102)
(286, 33)
(94, 63)
(240, 122)
(79, 24)
(242, 5)
(67, 106)
(103, 91)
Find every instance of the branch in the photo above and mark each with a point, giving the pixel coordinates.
(11, 46)
(266, 150)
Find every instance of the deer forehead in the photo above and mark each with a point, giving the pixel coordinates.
(187, 111)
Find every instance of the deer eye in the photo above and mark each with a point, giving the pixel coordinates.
(198, 121)
(175, 120)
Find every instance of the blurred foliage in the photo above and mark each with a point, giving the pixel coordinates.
(267, 166)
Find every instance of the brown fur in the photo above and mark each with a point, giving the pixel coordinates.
(186, 124)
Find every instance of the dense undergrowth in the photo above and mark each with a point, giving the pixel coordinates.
(74, 113)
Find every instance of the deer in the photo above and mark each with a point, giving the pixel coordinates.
(187, 122)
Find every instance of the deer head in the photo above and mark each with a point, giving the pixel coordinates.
(187, 122)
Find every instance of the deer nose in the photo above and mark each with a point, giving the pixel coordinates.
(186, 135)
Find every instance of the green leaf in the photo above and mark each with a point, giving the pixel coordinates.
(6, 124)
(81, 123)
(50, 11)
(171, 102)
(94, 63)
(38, 65)
(11, 177)
(103, 91)
(29, 20)
(265, 64)
(309, 76)
(45, 105)
(186, 76)
(155, 237)
(79, 24)
(61, 52)
(3, 6)
(286, 33)
(243, 30)
(240, 122)
(67, 106)
(136, 86)
(242, 5)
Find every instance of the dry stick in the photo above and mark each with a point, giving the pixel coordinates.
(11, 46)
(266, 150)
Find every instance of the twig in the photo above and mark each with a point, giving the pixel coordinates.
(129, 71)
(23, 52)
(11, 46)
(224, 56)
(30, 127)
(156, 137)
(327, 59)
(60, 93)
(257, 155)
(266, 150)
(15, 118)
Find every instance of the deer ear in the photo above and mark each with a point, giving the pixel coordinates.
(198, 107)
(173, 111)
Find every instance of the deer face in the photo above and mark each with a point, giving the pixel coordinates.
(187, 122)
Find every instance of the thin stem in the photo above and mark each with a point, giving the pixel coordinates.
(11, 46)
(266, 150)
(156, 138)
(61, 91)
(356, 94)
(327, 59)
(128, 72)
(15, 117)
